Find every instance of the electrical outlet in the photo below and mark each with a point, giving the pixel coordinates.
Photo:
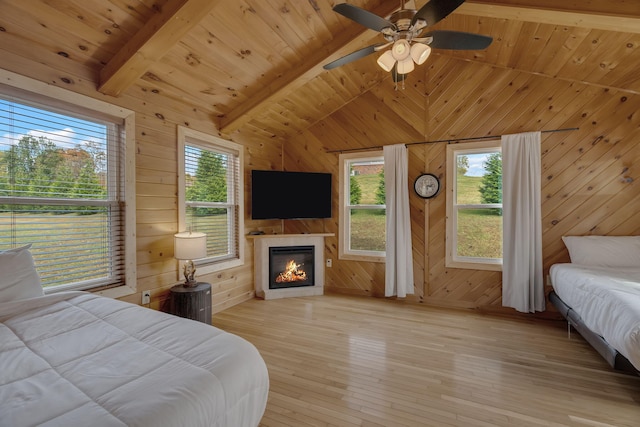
(329, 262)
(146, 297)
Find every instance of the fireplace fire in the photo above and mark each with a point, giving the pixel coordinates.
(292, 273)
(291, 266)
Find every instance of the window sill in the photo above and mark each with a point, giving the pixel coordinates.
(474, 265)
(219, 266)
(117, 292)
(365, 258)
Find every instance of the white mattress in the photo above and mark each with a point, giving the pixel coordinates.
(607, 299)
(77, 359)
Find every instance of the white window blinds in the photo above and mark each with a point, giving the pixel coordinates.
(212, 176)
(61, 189)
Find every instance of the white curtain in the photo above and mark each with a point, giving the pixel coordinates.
(399, 256)
(522, 280)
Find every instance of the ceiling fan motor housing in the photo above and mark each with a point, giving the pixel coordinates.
(401, 29)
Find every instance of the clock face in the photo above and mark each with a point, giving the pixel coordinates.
(427, 185)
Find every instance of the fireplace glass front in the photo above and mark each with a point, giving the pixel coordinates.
(291, 266)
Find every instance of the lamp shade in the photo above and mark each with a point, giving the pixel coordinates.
(190, 245)
(420, 52)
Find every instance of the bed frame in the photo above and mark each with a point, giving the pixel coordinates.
(610, 354)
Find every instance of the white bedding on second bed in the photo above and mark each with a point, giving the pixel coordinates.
(75, 358)
(607, 299)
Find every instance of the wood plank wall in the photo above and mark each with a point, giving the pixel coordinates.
(156, 191)
(590, 176)
(158, 112)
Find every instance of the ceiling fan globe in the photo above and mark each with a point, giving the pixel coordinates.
(401, 50)
(386, 61)
(406, 66)
(420, 52)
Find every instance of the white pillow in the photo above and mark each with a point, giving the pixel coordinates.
(18, 276)
(604, 251)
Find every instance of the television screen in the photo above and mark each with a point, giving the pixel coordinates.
(290, 195)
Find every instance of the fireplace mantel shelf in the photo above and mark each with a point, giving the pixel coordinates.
(271, 236)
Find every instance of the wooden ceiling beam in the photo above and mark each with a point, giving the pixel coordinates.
(355, 37)
(151, 43)
(597, 14)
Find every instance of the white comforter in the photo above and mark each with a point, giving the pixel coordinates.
(77, 359)
(607, 299)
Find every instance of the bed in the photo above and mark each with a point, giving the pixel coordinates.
(76, 358)
(599, 294)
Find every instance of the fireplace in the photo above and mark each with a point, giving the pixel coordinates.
(291, 266)
(307, 268)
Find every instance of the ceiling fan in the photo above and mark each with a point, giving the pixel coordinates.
(403, 31)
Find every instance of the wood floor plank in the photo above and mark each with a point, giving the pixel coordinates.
(339, 360)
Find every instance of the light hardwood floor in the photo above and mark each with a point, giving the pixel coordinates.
(338, 360)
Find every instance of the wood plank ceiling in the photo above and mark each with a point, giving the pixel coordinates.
(258, 64)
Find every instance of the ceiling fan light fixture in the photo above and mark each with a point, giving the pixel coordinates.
(420, 52)
(402, 30)
(406, 66)
(386, 61)
(401, 50)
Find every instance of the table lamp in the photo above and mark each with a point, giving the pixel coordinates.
(187, 247)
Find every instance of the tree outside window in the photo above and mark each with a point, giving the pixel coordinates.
(37, 167)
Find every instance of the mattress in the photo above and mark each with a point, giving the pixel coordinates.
(78, 359)
(607, 300)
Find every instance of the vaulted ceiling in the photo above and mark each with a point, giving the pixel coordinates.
(258, 63)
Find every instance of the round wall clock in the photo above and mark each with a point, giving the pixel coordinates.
(427, 185)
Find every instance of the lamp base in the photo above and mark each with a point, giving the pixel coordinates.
(189, 274)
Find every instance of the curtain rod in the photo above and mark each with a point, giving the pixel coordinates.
(448, 141)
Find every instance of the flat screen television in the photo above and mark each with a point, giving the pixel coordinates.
(290, 195)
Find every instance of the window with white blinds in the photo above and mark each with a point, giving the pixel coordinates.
(211, 196)
(62, 191)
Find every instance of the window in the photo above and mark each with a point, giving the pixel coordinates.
(211, 196)
(474, 205)
(63, 187)
(362, 207)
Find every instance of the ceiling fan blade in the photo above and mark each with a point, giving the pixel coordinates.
(365, 51)
(457, 40)
(362, 17)
(436, 10)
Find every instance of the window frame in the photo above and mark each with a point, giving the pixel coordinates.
(56, 98)
(344, 226)
(191, 137)
(451, 259)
